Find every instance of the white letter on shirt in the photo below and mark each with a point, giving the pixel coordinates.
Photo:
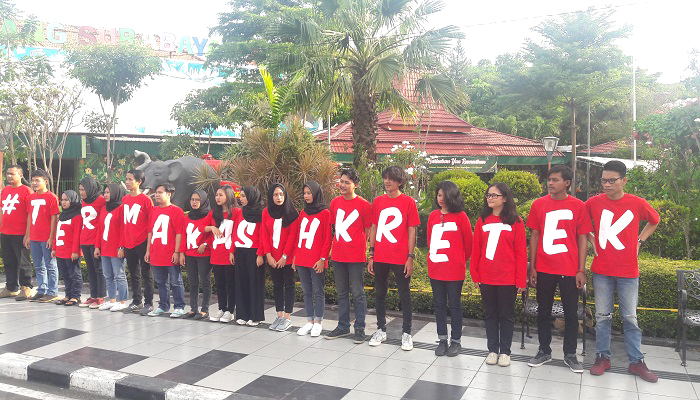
(551, 233)
(60, 232)
(609, 231)
(494, 230)
(36, 204)
(243, 230)
(438, 243)
(160, 229)
(384, 229)
(226, 229)
(276, 232)
(310, 234)
(108, 220)
(89, 215)
(131, 214)
(192, 236)
(342, 224)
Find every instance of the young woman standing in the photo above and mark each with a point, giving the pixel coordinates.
(499, 268)
(224, 275)
(93, 203)
(110, 231)
(196, 252)
(66, 249)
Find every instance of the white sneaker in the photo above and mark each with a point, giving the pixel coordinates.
(252, 323)
(304, 330)
(118, 307)
(316, 330)
(406, 342)
(503, 360)
(216, 317)
(492, 359)
(226, 318)
(106, 306)
(377, 338)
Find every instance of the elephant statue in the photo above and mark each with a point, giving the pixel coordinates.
(181, 173)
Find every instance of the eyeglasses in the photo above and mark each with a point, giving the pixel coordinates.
(492, 195)
(610, 181)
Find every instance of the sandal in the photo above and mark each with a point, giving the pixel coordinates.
(61, 301)
(71, 302)
(202, 315)
(189, 314)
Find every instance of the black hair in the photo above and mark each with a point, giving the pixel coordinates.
(138, 175)
(217, 210)
(616, 166)
(396, 174)
(566, 173)
(509, 214)
(168, 187)
(40, 173)
(351, 174)
(451, 195)
(17, 167)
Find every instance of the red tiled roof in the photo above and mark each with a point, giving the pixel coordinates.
(609, 147)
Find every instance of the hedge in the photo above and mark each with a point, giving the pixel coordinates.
(525, 185)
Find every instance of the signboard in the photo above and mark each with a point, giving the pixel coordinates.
(473, 164)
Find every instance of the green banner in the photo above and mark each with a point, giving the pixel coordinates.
(473, 164)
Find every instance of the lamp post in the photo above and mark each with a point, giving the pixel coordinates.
(7, 128)
(550, 143)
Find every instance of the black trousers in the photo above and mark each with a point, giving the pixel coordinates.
(444, 292)
(499, 309)
(283, 289)
(199, 272)
(546, 288)
(381, 287)
(140, 270)
(72, 277)
(250, 286)
(225, 279)
(98, 287)
(15, 257)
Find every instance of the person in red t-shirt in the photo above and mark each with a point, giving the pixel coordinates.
(450, 246)
(93, 203)
(392, 240)
(311, 256)
(41, 224)
(13, 228)
(352, 217)
(66, 249)
(110, 238)
(195, 253)
(499, 268)
(616, 218)
(222, 216)
(278, 236)
(166, 226)
(558, 247)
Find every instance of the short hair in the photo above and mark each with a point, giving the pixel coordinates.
(350, 173)
(41, 174)
(566, 173)
(138, 175)
(17, 167)
(451, 195)
(168, 187)
(616, 166)
(396, 174)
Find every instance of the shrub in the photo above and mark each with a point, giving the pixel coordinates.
(525, 185)
(524, 209)
(450, 174)
(668, 239)
(473, 191)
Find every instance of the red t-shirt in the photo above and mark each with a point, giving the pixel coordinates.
(195, 236)
(67, 239)
(351, 218)
(449, 244)
(165, 223)
(42, 208)
(246, 234)
(314, 240)
(499, 253)
(15, 208)
(393, 217)
(110, 231)
(616, 232)
(222, 247)
(559, 223)
(136, 218)
(91, 216)
(275, 239)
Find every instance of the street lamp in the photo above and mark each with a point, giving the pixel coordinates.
(7, 128)
(550, 144)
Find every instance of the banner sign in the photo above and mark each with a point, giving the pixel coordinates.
(473, 164)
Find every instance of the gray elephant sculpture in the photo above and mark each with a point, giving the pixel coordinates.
(180, 172)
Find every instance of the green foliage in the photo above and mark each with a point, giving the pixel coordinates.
(450, 174)
(524, 185)
(95, 165)
(176, 146)
(524, 209)
(473, 191)
(668, 239)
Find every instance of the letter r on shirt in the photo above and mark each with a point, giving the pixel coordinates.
(383, 228)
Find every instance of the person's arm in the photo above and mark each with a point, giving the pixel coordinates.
(408, 267)
(520, 257)
(649, 228)
(147, 256)
(582, 253)
(52, 235)
(26, 234)
(534, 242)
(370, 262)
(75, 251)
(476, 255)
(176, 255)
(290, 245)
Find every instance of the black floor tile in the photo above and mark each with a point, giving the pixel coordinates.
(59, 334)
(99, 358)
(188, 373)
(23, 345)
(315, 391)
(430, 390)
(117, 361)
(270, 387)
(84, 355)
(217, 358)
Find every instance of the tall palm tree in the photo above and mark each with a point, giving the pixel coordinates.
(355, 52)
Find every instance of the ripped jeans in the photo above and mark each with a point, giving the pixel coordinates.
(627, 292)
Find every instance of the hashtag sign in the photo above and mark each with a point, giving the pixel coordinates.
(8, 205)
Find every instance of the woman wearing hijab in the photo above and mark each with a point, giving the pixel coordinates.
(250, 273)
(311, 256)
(278, 236)
(196, 251)
(109, 240)
(66, 249)
(93, 202)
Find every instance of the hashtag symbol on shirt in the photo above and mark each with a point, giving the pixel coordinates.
(8, 205)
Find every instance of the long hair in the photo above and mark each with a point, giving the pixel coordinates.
(451, 195)
(218, 211)
(509, 214)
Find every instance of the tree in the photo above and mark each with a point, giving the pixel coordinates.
(198, 121)
(114, 73)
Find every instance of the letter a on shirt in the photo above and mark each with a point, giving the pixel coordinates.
(494, 231)
(437, 243)
(383, 228)
(608, 230)
(160, 229)
(226, 229)
(552, 233)
(342, 224)
(310, 234)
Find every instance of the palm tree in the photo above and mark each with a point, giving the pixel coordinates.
(355, 52)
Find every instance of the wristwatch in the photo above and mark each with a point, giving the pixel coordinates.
(284, 256)
(640, 241)
(411, 255)
(323, 259)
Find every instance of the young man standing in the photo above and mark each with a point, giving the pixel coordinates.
(558, 246)
(392, 242)
(352, 217)
(41, 230)
(137, 207)
(13, 227)
(616, 217)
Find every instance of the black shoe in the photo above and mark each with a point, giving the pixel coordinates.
(359, 336)
(337, 333)
(539, 359)
(133, 308)
(572, 362)
(441, 350)
(454, 349)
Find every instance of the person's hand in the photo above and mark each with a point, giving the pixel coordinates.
(120, 253)
(478, 285)
(259, 261)
(281, 262)
(580, 279)
(216, 232)
(319, 266)
(97, 253)
(532, 275)
(147, 257)
(201, 248)
(408, 267)
(49, 244)
(182, 259)
(53, 253)
(521, 290)
(294, 267)
(26, 241)
(231, 258)
(74, 256)
(175, 259)
(271, 261)
(370, 266)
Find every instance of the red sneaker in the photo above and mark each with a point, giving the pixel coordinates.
(86, 303)
(96, 303)
(640, 369)
(601, 365)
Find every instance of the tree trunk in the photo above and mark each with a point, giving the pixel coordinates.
(573, 146)
(364, 124)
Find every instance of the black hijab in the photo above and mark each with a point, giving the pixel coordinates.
(286, 211)
(252, 212)
(75, 206)
(204, 206)
(316, 205)
(116, 193)
(92, 188)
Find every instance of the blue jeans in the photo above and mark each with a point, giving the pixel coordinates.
(350, 276)
(114, 270)
(166, 277)
(314, 294)
(45, 268)
(627, 292)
